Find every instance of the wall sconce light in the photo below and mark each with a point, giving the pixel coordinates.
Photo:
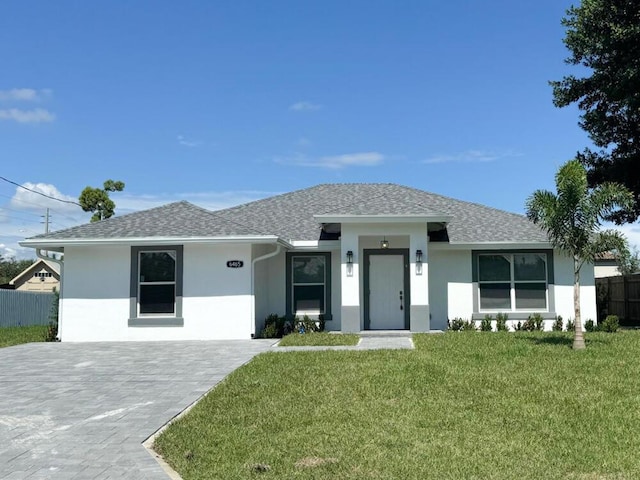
(384, 243)
(418, 262)
(349, 257)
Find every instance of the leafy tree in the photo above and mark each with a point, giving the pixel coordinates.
(604, 37)
(572, 219)
(10, 268)
(628, 261)
(97, 200)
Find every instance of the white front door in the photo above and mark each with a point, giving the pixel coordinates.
(386, 292)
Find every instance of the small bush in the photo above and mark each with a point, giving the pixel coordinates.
(456, 324)
(611, 324)
(469, 326)
(557, 324)
(590, 326)
(570, 325)
(501, 322)
(52, 328)
(485, 324)
(517, 327)
(275, 326)
(306, 325)
(533, 322)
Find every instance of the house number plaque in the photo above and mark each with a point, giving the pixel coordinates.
(235, 264)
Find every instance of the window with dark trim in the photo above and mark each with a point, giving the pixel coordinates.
(513, 281)
(308, 284)
(156, 285)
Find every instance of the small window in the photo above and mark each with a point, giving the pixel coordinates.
(513, 281)
(157, 282)
(308, 281)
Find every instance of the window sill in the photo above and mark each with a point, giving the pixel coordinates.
(515, 315)
(156, 322)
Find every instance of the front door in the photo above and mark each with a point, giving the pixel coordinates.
(387, 300)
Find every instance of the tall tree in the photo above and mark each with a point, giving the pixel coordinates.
(10, 268)
(604, 37)
(97, 200)
(572, 220)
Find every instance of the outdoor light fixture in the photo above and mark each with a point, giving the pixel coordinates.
(349, 257)
(418, 262)
(384, 243)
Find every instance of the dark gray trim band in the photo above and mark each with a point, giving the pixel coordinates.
(406, 288)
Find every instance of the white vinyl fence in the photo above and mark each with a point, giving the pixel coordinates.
(24, 308)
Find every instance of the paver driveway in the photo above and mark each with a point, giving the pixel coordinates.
(82, 411)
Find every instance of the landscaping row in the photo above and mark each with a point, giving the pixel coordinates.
(534, 322)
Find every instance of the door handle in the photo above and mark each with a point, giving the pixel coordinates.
(401, 302)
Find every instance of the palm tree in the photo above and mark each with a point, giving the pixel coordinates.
(572, 220)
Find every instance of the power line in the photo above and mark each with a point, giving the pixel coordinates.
(57, 212)
(39, 193)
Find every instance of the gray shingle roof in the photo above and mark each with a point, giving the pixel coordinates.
(290, 216)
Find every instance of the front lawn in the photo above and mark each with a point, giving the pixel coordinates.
(461, 405)
(317, 339)
(16, 335)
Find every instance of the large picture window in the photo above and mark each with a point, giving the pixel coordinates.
(309, 284)
(513, 281)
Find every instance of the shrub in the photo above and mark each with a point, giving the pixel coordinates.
(275, 326)
(533, 322)
(456, 324)
(557, 324)
(306, 325)
(611, 324)
(590, 326)
(501, 322)
(469, 326)
(570, 325)
(52, 329)
(485, 324)
(517, 327)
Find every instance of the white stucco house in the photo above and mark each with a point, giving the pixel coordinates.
(365, 256)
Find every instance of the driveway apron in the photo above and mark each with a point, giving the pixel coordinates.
(82, 410)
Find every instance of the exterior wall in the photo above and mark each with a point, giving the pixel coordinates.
(563, 266)
(269, 285)
(450, 287)
(602, 271)
(217, 302)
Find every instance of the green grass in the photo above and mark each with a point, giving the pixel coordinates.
(319, 339)
(17, 335)
(460, 406)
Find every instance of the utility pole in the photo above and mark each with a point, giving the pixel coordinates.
(46, 221)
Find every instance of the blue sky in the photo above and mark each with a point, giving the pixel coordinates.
(225, 102)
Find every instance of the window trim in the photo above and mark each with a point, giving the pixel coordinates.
(289, 285)
(151, 319)
(513, 312)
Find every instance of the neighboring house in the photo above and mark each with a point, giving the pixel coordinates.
(41, 276)
(606, 265)
(365, 256)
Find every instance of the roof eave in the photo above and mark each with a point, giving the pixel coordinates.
(59, 244)
(533, 245)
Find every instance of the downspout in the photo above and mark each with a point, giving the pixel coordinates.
(253, 281)
(42, 255)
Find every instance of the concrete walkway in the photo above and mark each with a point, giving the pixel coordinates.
(82, 411)
(368, 341)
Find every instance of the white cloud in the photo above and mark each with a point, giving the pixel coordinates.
(305, 106)
(38, 115)
(188, 143)
(24, 94)
(25, 200)
(362, 159)
(471, 156)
